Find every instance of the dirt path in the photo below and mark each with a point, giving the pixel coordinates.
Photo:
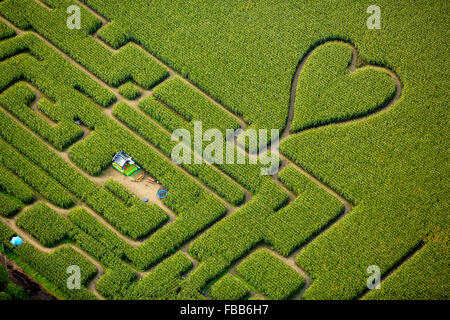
(108, 112)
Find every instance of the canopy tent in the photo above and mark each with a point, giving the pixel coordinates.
(16, 241)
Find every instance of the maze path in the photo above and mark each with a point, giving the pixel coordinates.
(85, 175)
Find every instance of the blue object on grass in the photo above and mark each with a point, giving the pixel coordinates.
(145, 199)
(162, 193)
(17, 241)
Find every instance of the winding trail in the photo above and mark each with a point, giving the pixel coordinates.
(109, 172)
(290, 260)
(348, 205)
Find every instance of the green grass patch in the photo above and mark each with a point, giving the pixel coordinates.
(272, 277)
(129, 91)
(229, 288)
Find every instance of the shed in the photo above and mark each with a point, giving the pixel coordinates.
(124, 163)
